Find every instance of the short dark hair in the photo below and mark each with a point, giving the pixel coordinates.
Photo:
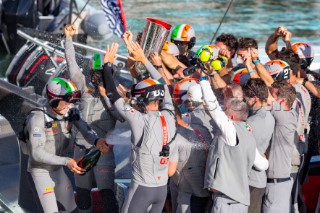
(246, 43)
(229, 40)
(256, 87)
(291, 58)
(286, 91)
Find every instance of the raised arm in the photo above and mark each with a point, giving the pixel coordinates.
(272, 42)
(261, 71)
(76, 75)
(223, 122)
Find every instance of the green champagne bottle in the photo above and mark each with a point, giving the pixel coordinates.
(90, 159)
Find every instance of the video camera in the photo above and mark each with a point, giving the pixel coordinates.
(196, 63)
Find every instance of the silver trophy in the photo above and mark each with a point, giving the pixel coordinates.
(154, 35)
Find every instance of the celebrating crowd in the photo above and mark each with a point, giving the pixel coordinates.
(214, 130)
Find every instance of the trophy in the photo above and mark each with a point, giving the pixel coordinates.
(154, 35)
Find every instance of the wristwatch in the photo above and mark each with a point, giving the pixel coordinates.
(109, 64)
(304, 82)
(256, 61)
(157, 66)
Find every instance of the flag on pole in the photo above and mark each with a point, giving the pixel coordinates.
(114, 14)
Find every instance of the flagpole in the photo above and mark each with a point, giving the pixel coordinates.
(221, 22)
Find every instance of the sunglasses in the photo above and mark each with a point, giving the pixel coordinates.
(72, 97)
(181, 43)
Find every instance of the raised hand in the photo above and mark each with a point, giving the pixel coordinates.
(136, 52)
(111, 53)
(286, 35)
(127, 37)
(254, 53)
(155, 59)
(279, 31)
(70, 30)
(225, 52)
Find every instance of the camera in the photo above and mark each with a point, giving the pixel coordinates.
(195, 64)
(165, 152)
(219, 63)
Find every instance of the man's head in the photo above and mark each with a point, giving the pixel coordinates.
(184, 37)
(291, 58)
(227, 42)
(255, 92)
(181, 88)
(237, 91)
(147, 92)
(240, 75)
(61, 93)
(245, 44)
(193, 98)
(171, 48)
(305, 53)
(236, 109)
(278, 69)
(284, 93)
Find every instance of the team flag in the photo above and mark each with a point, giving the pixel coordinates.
(114, 13)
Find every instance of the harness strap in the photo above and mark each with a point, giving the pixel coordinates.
(202, 140)
(164, 130)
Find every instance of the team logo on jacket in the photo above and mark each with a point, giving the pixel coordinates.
(248, 127)
(129, 108)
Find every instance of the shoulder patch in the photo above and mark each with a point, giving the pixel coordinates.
(129, 108)
(248, 127)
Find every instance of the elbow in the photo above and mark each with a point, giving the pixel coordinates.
(172, 168)
(317, 94)
(35, 156)
(262, 167)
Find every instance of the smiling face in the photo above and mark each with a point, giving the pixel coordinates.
(63, 107)
(224, 48)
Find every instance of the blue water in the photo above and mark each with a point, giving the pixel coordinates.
(250, 18)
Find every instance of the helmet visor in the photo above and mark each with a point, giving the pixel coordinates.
(73, 97)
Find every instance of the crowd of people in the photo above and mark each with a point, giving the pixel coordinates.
(214, 130)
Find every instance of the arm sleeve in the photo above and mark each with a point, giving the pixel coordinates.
(109, 84)
(225, 125)
(167, 100)
(260, 163)
(89, 134)
(133, 117)
(37, 141)
(154, 73)
(76, 75)
(112, 110)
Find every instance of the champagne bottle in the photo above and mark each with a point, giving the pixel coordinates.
(90, 159)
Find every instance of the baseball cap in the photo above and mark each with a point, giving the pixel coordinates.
(194, 93)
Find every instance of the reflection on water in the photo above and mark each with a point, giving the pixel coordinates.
(250, 18)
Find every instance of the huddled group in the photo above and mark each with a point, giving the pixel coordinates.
(214, 130)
